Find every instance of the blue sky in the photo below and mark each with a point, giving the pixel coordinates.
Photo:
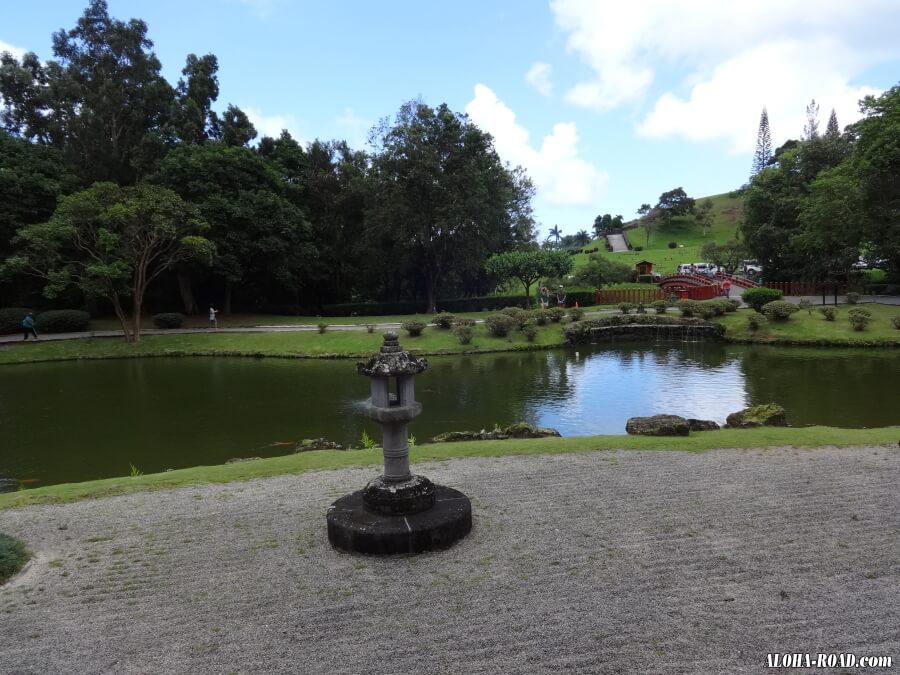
(606, 104)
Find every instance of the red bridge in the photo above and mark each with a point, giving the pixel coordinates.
(701, 287)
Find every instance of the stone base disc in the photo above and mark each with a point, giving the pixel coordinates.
(353, 528)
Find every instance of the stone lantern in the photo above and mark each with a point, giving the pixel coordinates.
(397, 512)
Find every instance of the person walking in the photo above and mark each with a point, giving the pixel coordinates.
(213, 322)
(28, 326)
(726, 287)
(545, 297)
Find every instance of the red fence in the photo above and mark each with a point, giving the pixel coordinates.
(806, 287)
(613, 296)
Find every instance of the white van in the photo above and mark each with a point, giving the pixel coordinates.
(705, 268)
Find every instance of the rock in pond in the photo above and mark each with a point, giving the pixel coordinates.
(658, 425)
(517, 430)
(316, 444)
(767, 415)
(702, 425)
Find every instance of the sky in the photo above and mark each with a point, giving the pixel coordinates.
(606, 104)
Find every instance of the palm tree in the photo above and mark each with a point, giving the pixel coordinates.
(582, 238)
(555, 233)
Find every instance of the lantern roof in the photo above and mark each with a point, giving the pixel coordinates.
(392, 360)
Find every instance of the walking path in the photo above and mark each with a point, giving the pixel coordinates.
(601, 562)
(617, 241)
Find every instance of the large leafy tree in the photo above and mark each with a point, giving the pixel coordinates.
(727, 255)
(601, 271)
(102, 101)
(529, 266)
(674, 203)
(440, 193)
(262, 238)
(112, 242)
(876, 164)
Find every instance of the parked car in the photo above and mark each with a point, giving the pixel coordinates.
(751, 267)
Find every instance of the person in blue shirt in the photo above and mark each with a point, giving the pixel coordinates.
(28, 326)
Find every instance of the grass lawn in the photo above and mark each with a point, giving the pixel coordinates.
(13, 555)
(804, 437)
(684, 231)
(294, 344)
(806, 328)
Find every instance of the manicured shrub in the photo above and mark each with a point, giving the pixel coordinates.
(576, 313)
(706, 310)
(852, 298)
(755, 322)
(719, 307)
(859, 318)
(13, 556)
(63, 321)
(673, 244)
(638, 248)
(529, 330)
(464, 321)
(688, 308)
(517, 314)
(556, 314)
(829, 313)
(732, 305)
(896, 321)
(11, 319)
(168, 320)
(659, 306)
(541, 317)
(641, 308)
(499, 325)
(626, 307)
(463, 333)
(758, 297)
(805, 304)
(779, 310)
(414, 328)
(444, 320)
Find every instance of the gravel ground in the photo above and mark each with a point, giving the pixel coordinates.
(628, 562)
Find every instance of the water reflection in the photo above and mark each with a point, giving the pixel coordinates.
(77, 421)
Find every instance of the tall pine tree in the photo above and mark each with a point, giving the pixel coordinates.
(811, 128)
(832, 130)
(763, 145)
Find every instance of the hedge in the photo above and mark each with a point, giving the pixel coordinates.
(63, 321)
(168, 320)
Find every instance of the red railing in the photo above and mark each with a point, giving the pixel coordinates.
(675, 280)
(613, 296)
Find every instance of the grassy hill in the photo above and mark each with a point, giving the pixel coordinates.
(684, 231)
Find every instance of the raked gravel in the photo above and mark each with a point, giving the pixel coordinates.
(602, 562)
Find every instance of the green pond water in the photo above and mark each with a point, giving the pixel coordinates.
(75, 421)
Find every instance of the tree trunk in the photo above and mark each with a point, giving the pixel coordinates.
(430, 296)
(226, 307)
(187, 291)
(136, 318)
(120, 315)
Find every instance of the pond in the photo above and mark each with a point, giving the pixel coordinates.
(74, 421)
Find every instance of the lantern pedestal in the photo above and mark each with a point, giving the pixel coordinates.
(354, 527)
(397, 512)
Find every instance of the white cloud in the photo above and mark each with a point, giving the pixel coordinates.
(722, 61)
(539, 78)
(784, 77)
(355, 128)
(273, 125)
(18, 52)
(561, 176)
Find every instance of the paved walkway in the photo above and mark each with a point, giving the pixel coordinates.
(617, 241)
(606, 562)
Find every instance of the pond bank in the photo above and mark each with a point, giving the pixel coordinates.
(683, 562)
